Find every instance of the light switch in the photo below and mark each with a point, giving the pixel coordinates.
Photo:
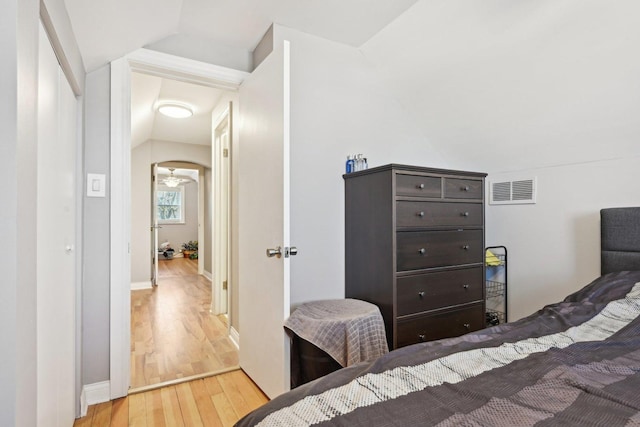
(96, 185)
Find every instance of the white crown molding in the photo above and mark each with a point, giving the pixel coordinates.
(164, 65)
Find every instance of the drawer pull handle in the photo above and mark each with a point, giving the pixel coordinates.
(467, 326)
(422, 251)
(421, 337)
(420, 214)
(421, 294)
(465, 247)
(420, 186)
(464, 214)
(465, 286)
(465, 188)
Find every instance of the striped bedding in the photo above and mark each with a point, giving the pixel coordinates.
(576, 362)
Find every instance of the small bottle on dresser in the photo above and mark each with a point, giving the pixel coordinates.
(350, 164)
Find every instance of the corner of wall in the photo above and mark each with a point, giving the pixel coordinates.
(264, 48)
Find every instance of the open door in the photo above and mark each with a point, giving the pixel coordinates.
(263, 193)
(154, 224)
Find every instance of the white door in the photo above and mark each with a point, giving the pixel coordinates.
(154, 224)
(55, 254)
(263, 198)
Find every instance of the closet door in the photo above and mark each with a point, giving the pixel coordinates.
(55, 254)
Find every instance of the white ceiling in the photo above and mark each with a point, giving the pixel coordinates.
(147, 123)
(106, 30)
(497, 84)
(109, 30)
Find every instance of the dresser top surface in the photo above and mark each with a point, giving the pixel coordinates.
(413, 169)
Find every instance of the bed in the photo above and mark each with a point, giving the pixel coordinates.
(576, 362)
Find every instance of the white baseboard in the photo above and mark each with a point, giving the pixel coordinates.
(135, 286)
(208, 275)
(92, 394)
(235, 337)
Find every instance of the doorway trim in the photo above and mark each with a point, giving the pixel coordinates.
(219, 216)
(161, 65)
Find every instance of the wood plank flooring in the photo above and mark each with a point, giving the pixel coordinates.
(220, 400)
(173, 334)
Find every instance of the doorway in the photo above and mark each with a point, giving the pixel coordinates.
(175, 336)
(122, 180)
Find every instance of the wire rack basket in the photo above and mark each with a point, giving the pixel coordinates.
(496, 285)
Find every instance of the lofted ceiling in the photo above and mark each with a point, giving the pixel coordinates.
(107, 30)
(497, 84)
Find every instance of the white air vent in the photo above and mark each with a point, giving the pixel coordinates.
(512, 192)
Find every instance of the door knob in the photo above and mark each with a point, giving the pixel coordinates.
(276, 252)
(290, 251)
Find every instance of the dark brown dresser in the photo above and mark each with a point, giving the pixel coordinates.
(414, 246)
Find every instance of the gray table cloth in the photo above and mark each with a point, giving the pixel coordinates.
(351, 331)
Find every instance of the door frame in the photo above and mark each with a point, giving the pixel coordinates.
(161, 65)
(154, 224)
(223, 119)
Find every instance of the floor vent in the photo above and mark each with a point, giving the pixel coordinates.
(512, 192)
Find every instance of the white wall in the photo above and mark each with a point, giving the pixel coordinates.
(18, 102)
(554, 245)
(338, 108)
(65, 41)
(142, 157)
(200, 49)
(96, 236)
(549, 88)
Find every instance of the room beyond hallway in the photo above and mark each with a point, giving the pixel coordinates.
(173, 334)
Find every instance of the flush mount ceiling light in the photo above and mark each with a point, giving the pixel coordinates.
(177, 110)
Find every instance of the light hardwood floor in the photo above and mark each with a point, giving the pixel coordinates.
(173, 334)
(214, 401)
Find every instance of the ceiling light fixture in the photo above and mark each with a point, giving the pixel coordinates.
(177, 110)
(173, 181)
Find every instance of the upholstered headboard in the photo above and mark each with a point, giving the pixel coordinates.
(620, 239)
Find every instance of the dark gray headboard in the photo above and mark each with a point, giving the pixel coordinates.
(620, 239)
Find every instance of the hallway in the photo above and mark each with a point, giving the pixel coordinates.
(173, 334)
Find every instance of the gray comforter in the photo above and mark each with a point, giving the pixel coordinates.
(572, 363)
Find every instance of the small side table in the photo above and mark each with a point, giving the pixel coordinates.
(330, 334)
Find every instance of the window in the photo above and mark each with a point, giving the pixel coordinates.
(170, 205)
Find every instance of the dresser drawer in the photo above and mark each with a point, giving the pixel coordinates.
(428, 249)
(418, 186)
(447, 324)
(441, 289)
(462, 189)
(434, 214)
